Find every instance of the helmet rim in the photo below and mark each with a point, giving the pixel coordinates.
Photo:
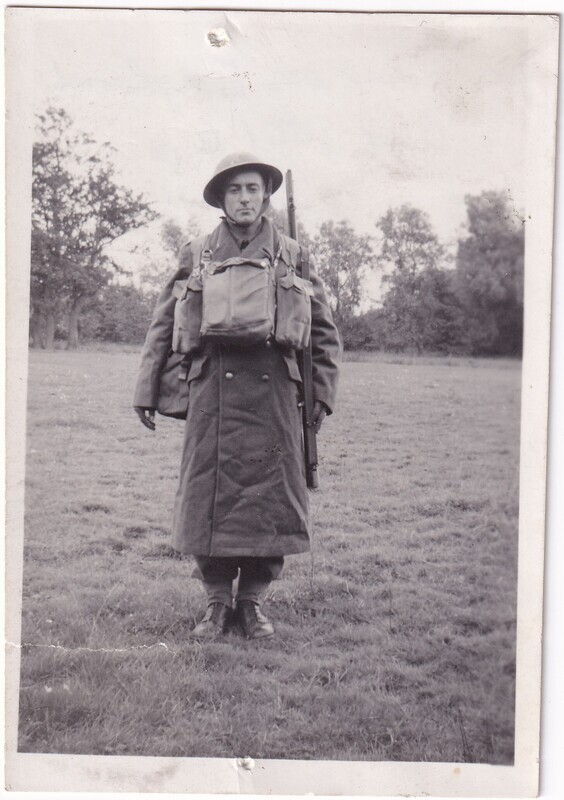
(237, 162)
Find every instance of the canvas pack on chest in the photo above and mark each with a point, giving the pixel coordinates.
(243, 301)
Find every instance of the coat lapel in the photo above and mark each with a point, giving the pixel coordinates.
(261, 245)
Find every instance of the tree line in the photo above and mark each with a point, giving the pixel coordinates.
(433, 299)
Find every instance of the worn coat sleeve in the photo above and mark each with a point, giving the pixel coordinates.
(158, 341)
(325, 345)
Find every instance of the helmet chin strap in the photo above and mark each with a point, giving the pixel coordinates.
(237, 225)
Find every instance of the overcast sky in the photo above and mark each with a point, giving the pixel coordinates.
(369, 110)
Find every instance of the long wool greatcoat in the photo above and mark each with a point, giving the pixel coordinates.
(242, 488)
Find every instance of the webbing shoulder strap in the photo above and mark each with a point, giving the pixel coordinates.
(295, 254)
(304, 262)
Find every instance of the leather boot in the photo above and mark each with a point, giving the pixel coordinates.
(251, 621)
(214, 622)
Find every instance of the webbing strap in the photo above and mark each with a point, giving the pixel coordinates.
(197, 247)
(277, 258)
(304, 262)
(298, 255)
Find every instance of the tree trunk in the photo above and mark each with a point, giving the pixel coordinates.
(37, 330)
(49, 341)
(74, 316)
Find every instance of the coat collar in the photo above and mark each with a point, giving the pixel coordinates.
(261, 245)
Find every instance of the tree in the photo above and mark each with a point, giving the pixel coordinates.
(160, 261)
(373, 323)
(174, 235)
(47, 289)
(356, 332)
(280, 220)
(420, 309)
(409, 243)
(78, 210)
(342, 259)
(123, 315)
(489, 275)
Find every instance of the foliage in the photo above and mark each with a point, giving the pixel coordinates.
(420, 310)
(158, 263)
(280, 220)
(173, 235)
(370, 329)
(342, 259)
(489, 276)
(78, 210)
(477, 308)
(123, 314)
(409, 243)
(357, 332)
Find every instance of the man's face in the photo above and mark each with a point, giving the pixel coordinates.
(244, 196)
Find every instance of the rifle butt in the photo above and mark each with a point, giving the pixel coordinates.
(312, 477)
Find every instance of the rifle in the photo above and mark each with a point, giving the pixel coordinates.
(304, 360)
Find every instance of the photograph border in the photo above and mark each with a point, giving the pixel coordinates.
(50, 772)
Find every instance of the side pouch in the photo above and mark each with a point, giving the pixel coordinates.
(293, 311)
(174, 387)
(187, 314)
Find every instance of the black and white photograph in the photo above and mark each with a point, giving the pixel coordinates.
(278, 330)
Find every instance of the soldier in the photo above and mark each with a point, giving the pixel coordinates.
(242, 501)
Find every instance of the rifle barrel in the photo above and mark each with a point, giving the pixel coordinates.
(292, 227)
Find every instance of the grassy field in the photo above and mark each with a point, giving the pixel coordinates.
(395, 641)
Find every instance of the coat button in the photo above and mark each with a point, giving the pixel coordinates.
(229, 376)
(265, 377)
(268, 343)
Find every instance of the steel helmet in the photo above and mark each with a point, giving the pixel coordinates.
(239, 161)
